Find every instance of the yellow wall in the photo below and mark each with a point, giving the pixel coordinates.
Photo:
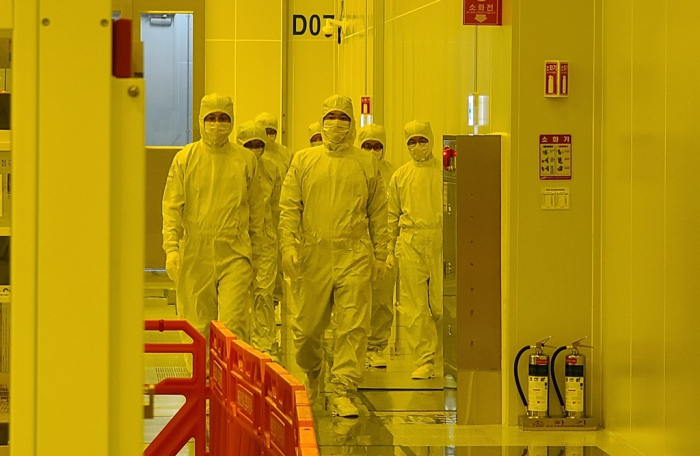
(553, 274)
(429, 69)
(311, 72)
(550, 272)
(650, 221)
(244, 55)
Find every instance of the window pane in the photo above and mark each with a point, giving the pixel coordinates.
(167, 41)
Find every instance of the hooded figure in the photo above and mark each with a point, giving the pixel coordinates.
(415, 225)
(280, 155)
(315, 137)
(372, 138)
(334, 202)
(213, 223)
(252, 136)
(271, 125)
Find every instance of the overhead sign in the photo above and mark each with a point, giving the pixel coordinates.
(483, 12)
(555, 157)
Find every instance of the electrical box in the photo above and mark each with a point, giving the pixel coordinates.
(472, 272)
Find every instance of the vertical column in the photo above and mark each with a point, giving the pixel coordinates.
(79, 247)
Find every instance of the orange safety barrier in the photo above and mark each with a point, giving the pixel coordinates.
(220, 412)
(246, 370)
(281, 434)
(190, 421)
(304, 421)
(256, 407)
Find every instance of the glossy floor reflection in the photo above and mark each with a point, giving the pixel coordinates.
(399, 416)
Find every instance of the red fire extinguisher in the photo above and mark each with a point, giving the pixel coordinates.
(537, 402)
(573, 403)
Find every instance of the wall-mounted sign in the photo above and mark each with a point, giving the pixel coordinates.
(556, 198)
(555, 157)
(556, 78)
(366, 105)
(312, 25)
(483, 12)
(563, 79)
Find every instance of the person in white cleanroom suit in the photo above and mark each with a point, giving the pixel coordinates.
(271, 125)
(252, 136)
(280, 155)
(315, 136)
(334, 201)
(415, 224)
(213, 223)
(372, 138)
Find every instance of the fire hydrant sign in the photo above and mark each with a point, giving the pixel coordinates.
(556, 78)
(366, 105)
(555, 157)
(563, 79)
(551, 78)
(483, 12)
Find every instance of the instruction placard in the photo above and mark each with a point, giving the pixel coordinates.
(556, 198)
(555, 157)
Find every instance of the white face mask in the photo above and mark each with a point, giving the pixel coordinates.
(421, 152)
(336, 130)
(217, 132)
(316, 143)
(378, 154)
(258, 152)
(272, 137)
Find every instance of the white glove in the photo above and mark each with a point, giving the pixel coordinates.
(290, 263)
(378, 270)
(390, 261)
(172, 265)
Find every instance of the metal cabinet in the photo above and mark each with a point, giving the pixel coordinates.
(472, 272)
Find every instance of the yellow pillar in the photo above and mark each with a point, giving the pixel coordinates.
(76, 363)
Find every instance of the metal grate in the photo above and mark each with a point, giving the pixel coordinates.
(162, 366)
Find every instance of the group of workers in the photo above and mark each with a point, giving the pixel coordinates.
(338, 221)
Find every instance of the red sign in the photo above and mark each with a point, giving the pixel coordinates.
(556, 160)
(563, 79)
(483, 12)
(366, 105)
(551, 78)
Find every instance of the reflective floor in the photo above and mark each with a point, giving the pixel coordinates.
(399, 416)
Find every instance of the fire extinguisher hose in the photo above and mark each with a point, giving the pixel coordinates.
(517, 376)
(554, 375)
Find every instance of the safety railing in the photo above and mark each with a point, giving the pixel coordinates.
(256, 408)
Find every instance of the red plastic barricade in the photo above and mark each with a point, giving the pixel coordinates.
(280, 408)
(220, 411)
(256, 407)
(190, 421)
(304, 421)
(246, 366)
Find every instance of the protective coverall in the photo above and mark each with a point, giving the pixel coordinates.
(213, 220)
(415, 224)
(271, 177)
(334, 201)
(280, 155)
(382, 290)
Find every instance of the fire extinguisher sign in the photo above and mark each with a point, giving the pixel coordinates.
(555, 157)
